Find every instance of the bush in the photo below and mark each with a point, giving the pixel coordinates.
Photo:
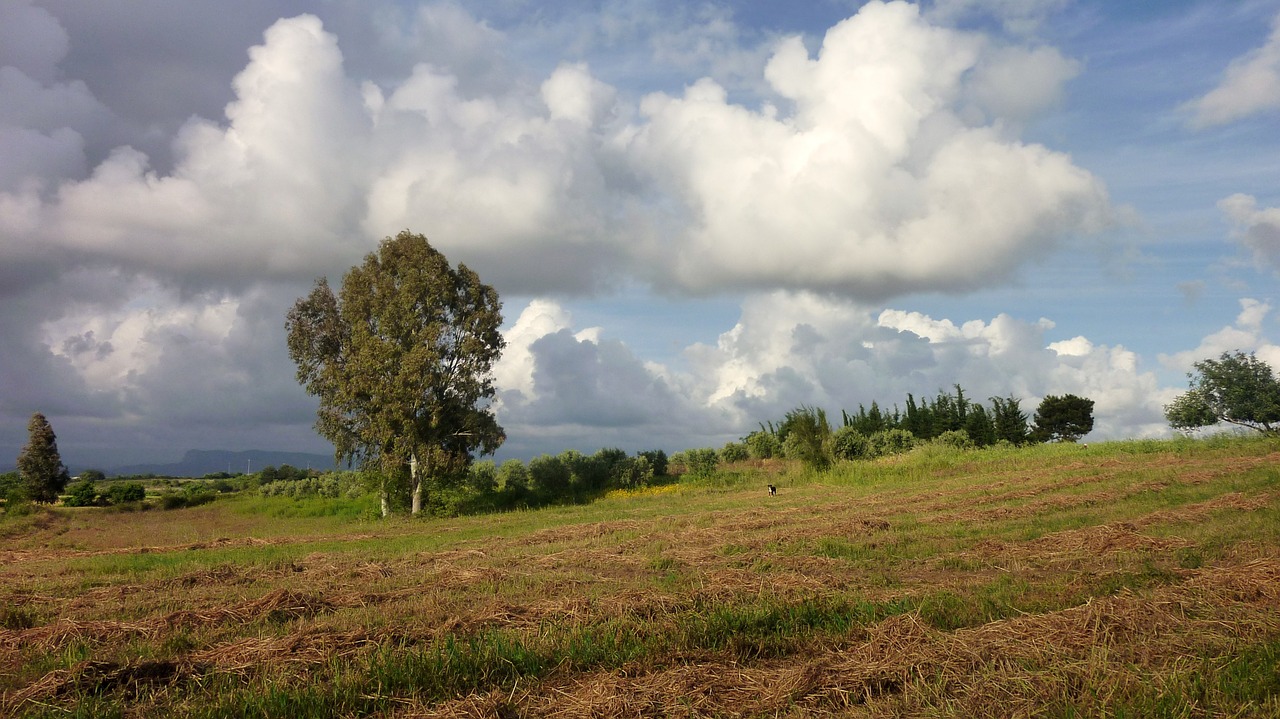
(513, 479)
(848, 443)
(700, 463)
(734, 452)
(763, 444)
(956, 438)
(891, 441)
(334, 485)
(482, 477)
(127, 492)
(808, 437)
(81, 494)
(632, 473)
(549, 478)
(657, 459)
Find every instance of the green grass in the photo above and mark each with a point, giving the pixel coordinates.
(714, 573)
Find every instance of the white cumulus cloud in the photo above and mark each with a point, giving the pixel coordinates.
(1251, 84)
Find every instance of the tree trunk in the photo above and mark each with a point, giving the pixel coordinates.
(417, 485)
(386, 506)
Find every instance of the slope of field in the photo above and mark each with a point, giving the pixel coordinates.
(1125, 579)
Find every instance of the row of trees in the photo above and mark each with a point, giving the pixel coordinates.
(806, 434)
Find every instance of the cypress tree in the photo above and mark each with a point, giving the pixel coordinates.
(43, 474)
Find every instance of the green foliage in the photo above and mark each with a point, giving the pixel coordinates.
(890, 442)
(285, 473)
(955, 438)
(549, 477)
(192, 494)
(123, 492)
(1063, 419)
(93, 475)
(657, 460)
(81, 494)
(632, 473)
(734, 452)
(331, 485)
(980, 427)
(401, 360)
(808, 437)
(513, 480)
(763, 444)
(1236, 388)
(1009, 420)
(847, 443)
(700, 463)
(39, 464)
(482, 478)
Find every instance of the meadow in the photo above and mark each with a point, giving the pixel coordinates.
(1126, 579)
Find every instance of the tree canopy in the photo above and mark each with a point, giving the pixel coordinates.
(39, 464)
(1236, 388)
(401, 360)
(1063, 419)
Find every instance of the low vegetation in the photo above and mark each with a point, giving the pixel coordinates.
(1122, 579)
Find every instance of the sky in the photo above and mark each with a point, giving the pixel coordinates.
(698, 215)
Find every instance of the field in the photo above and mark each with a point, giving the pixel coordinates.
(1136, 579)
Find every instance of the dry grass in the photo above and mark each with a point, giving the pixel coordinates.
(987, 606)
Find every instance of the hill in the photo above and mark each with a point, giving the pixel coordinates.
(1127, 579)
(199, 462)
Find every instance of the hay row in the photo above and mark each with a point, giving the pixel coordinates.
(1006, 668)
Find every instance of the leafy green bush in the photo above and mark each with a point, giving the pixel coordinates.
(891, 441)
(657, 459)
(127, 492)
(700, 463)
(81, 494)
(734, 452)
(334, 485)
(763, 444)
(808, 437)
(957, 438)
(847, 443)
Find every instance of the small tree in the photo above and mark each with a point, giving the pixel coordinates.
(1063, 419)
(808, 437)
(1009, 420)
(1236, 388)
(43, 474)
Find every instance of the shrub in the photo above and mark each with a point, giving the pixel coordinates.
(632, 473)
(763, 444)
(700, 463)
(734, 452)
(808, 437)
(482, 477)
(956, 438)
(513, 479)
(657, 459)
(548, 477)
(127, 492)
(81, 494)
(848, 443)
(891, 441)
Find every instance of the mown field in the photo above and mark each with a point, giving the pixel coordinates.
(1136, 579)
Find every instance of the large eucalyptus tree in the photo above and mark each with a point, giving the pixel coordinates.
(401, 360)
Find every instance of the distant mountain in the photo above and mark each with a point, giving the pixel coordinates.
(199, 462)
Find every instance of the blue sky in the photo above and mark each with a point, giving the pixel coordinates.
(698, 215)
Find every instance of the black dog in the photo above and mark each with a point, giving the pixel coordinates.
(773, 489)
